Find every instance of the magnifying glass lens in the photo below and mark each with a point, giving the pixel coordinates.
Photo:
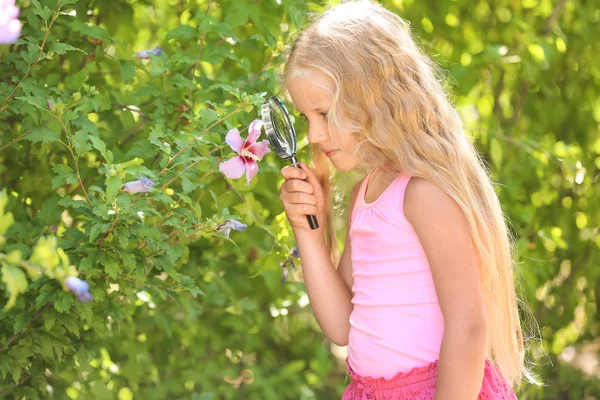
(282, 129)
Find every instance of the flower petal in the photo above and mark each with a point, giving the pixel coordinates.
(234, 168)
(9, 33)
(146, 182)
(136, 187)
(237, 225)
(76, 285)
(251, 171)
(157, 51)
(260, 149)
(295, 252)
(254, 131)
(142, 55)
(84, 297)
(234, 140)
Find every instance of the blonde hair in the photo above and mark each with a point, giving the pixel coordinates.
(388, 96)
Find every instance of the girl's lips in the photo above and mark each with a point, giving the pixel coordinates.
(331, 153)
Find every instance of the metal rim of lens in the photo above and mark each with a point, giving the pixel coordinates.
(267, 110)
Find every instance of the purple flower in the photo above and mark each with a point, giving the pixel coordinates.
(10, 26)
(145, 54)
(295, 253)
(286, 274)
(144, 185)
(79, 288)
(231, 224)
(249, 152)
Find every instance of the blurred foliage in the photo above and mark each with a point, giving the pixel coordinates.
(181, 310)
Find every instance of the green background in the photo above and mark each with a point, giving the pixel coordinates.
(180, 310)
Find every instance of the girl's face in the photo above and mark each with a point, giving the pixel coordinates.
(312, 95)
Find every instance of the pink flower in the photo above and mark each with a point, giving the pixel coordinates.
(10, 26)
(249, 152)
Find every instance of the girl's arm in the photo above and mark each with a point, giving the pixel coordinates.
(328, 289)
(329, 296)
(444, 234)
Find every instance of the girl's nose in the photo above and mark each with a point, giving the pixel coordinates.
(316, 134)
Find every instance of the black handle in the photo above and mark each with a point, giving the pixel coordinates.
(312, 221)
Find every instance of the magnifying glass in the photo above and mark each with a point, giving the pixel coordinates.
(282, 136)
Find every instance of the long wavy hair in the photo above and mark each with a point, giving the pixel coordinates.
(389, 96)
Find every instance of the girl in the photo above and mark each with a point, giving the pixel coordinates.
(423, 295)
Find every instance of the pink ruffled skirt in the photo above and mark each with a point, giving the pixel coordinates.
(419, 384)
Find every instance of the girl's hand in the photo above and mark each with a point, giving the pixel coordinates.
(301, 195)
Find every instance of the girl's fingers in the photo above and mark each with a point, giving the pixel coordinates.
(299, 198)
(297, 185)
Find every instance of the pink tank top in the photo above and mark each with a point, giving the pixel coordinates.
(396, 323)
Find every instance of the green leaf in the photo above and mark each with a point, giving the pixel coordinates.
(537, 52)
(97, 229)
(237, 14)
(42, 134)
(174, 253)
(182, 32)
(81, 142)
(129, 261)
(69, 323)
(47, 293)
(16, 283)
(127, 70)
(63, 48)
(190, 285)
(111, 267)
(208, 116)
(44, 12)
(93, 31)
(6, 220)
(64, 302)
(21, 321)
(49, 319)
(65, 175)
(32, 53)
(113, 185)
(49, 213)
(101, 147)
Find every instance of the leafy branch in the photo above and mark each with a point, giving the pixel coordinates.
(39, 57)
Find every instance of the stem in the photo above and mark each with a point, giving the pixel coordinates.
(554, 16)
(28, 266)
(167, 215)
(164, 89)
(253, 76)
(16, 140)
(177, 242)
(237, 110)
(74, 160)
(188, 167)
(23, 329)
(108, 231)
(20, 137)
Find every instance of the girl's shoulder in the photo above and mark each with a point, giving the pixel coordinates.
(423, 199)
